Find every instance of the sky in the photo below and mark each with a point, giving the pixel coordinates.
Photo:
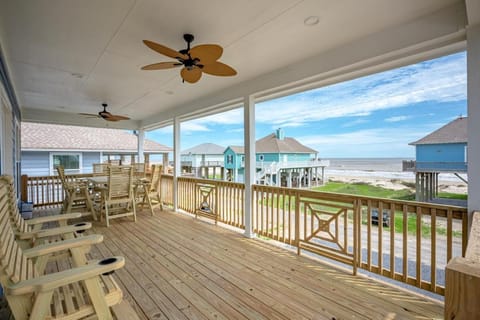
(375, 116)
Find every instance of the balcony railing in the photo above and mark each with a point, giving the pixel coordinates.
(410, 242)
(434, 166)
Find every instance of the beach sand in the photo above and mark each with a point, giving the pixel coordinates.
(397, 183)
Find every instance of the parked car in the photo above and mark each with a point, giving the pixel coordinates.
(386, 217)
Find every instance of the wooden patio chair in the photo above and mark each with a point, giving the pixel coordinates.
(149, 192)
(84, 291)
(139, 170)
(100, 169)
(76, 195)
(118, 198)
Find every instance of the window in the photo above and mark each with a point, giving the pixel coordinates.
(229, 158)
(261, 157)
(72, 162)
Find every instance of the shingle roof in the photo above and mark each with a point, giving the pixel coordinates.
(452, 132)
(271, 144)
(205, 148)
(238, 149)
(41, 136)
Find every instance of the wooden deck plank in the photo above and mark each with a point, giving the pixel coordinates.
(328, 293)
(349, 295)
(297, 300)
(178, 267)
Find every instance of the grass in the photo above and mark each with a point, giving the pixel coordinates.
(364, 189)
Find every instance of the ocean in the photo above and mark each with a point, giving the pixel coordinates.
(390, 168)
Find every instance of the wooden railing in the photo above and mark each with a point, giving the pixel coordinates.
(224, 200)
(406, 241)
(410, 242)
(45, 191)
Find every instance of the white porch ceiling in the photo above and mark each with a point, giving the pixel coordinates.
(69, 56)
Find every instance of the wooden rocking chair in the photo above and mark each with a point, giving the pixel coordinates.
(32, 229)
(85, 290)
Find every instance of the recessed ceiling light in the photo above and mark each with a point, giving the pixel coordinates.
(77, 75)
(311, 21)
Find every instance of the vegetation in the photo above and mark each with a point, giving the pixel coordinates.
(364, 189)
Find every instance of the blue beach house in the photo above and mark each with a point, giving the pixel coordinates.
(444, 150)
(280, 160)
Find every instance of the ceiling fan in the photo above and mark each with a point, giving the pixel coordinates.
(104, 114)
(195, 61)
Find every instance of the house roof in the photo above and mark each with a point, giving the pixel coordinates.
(237, 149)
(453, 132)
(40, 136)
(271, 144)
(204, 148)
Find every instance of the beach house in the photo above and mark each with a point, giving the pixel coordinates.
(44, 146)
(443, 150)
(280, 160)
(203, 160)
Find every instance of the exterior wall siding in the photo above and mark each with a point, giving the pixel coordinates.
(451, 156)
(89, 158)
(36, 163)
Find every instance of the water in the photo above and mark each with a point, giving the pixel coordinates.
(390, 168)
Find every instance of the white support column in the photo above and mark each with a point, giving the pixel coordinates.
(473, 96)
(140, 145)
(249, 176)
(176, 161)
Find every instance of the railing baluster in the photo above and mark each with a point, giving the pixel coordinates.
(405, 243)
(433, 256)
(392, 240)
(419, 247)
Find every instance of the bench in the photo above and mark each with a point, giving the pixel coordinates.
(84, 290)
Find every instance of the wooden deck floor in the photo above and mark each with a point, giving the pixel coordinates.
(178, 267)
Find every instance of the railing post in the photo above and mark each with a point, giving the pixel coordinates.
(250, 167)
(297, 222)
(24, 188)
(176, 161)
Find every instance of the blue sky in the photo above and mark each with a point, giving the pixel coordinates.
(369, 117)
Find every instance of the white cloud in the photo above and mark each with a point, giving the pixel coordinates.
(369, 142)
(442, 80)
(397, 119)
(193, 126)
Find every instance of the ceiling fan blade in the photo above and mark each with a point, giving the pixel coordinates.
(164, 50)
(112, 119)
(192, 75)
(89, 114)
(161, 65)
(207, 53)
(219, 69)
(118, 117)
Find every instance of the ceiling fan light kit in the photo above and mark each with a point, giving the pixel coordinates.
(195, 61)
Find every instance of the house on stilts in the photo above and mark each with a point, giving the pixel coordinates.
(442, 151)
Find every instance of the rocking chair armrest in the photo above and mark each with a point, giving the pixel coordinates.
(57, 217)
(50, 248)
(54, 280)
(82, 226)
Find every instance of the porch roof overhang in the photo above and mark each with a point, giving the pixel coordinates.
(65, 58)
